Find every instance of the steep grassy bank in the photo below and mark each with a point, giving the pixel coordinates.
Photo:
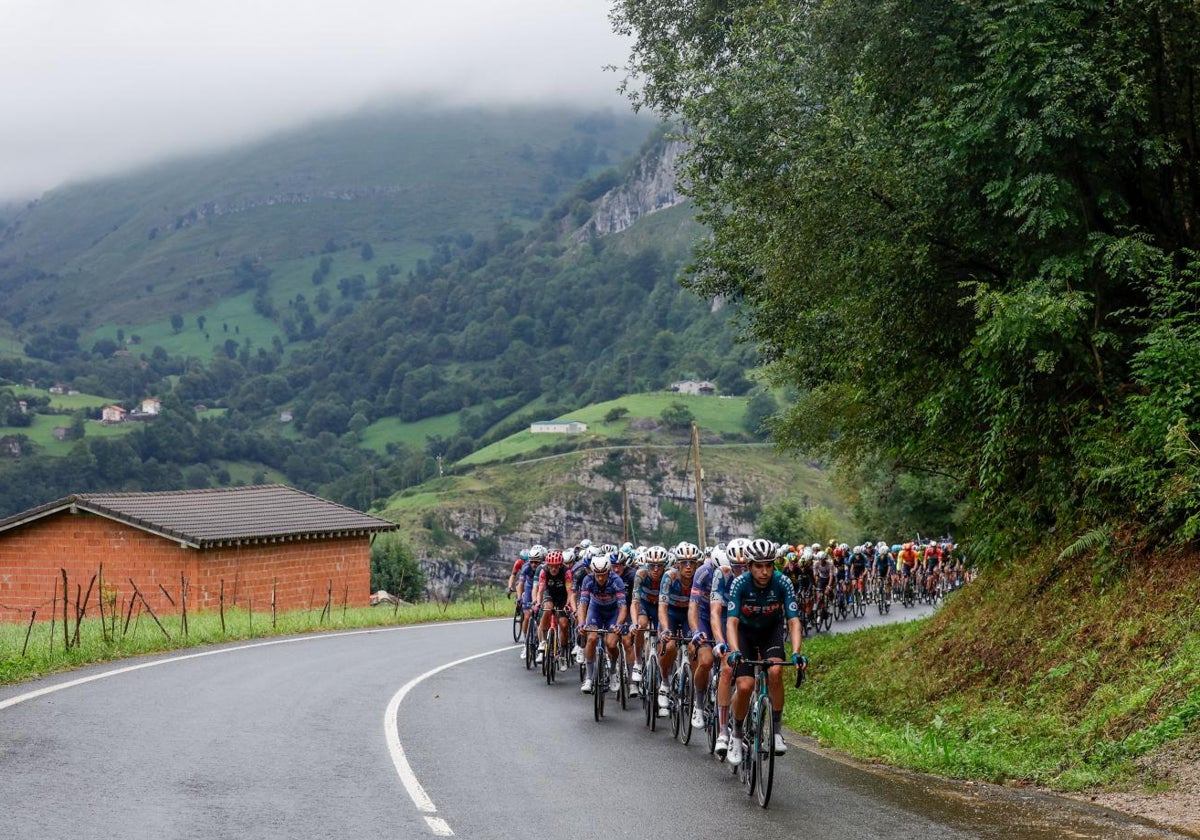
(1044, 672)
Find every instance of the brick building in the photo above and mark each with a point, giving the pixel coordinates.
(255, 540)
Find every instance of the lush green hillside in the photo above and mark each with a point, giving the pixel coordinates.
(716, 416)
(358, 362)
(129, 250)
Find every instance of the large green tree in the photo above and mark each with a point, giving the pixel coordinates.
(965, 229)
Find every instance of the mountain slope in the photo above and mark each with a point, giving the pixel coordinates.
(116, 249)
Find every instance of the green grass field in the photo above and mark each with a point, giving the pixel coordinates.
(391, 429)
(718, 415)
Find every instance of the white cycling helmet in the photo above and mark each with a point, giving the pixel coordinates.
(656, 555)
(600, 564)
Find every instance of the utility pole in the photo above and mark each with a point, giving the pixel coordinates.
(699, 485)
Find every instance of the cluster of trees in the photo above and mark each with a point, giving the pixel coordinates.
(482, 327)
(967, 232)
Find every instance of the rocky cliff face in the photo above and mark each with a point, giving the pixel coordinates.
(652, 186)
(588, 504)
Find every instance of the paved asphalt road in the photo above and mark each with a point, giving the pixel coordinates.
(351, 736)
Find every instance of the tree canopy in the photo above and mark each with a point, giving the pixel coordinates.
(965, 230)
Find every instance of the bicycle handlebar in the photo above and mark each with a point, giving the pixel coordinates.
(800, 672)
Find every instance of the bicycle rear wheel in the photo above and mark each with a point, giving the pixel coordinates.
(623, 672)
(516, 623)
(747, 770)
(652, 684)
(599, 684)
(710, 713)
(673, 700)
(764, 750)
(530, 649)
(687, 699)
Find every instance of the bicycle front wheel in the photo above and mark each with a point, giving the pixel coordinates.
(599, 684)
(687, 699)
(517, 623)
(764, 750)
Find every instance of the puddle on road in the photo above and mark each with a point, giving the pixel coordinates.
(991, 811)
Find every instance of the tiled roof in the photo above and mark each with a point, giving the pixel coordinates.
(202, 518)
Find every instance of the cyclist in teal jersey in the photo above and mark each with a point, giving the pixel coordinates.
(762, 605)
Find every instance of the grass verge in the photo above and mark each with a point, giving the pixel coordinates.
(1043, 673)
(31, 651)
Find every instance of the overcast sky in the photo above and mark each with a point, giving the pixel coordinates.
(96, 86)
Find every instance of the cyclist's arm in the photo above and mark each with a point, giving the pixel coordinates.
(714, 615)
(731, 632)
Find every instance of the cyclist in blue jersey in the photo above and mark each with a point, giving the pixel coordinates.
(762, 606)
(726, 573)
(526, 583)
(643, 604)
(674, 597)
(602, 606)
(703, 639)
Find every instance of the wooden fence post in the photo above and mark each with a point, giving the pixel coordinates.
(28, 630)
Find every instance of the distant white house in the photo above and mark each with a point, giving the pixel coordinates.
(151, 405)
(112, 414)
(561, 427)
(691, 386)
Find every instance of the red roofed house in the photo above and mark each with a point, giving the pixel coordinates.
(257, 540)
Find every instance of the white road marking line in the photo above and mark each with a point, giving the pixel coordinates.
(391, 731)
(51, 689)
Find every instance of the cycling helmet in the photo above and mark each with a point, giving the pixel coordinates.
(760, 550)
(569, 555)
(584, 543)
(719, 556)
(523, 553)
(687, 552)
(554, 558)
(600, 564)
(656, 555)
(736, 551)
(627, 550)
(537, 553)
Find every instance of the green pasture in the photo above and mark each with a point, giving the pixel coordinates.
(714, 414)
(387, 430)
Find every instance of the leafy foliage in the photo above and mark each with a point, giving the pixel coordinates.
(963, 230)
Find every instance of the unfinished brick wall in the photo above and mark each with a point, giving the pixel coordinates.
(301, 572)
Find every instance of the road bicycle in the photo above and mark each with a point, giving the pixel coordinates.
(680, 694)
(531, 638)
(651, 678)
(517, 616)
(756, 771)
(601, 677)
(883, 595)
(554, 650)
(824, 614)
